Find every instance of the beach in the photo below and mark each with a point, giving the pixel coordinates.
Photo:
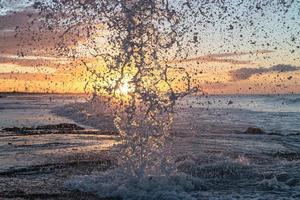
(238, 147)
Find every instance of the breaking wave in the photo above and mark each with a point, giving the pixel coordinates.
(208, 181)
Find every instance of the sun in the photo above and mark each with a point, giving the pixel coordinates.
(125, 88)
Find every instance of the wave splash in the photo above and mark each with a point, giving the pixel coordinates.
(191, 181)
(198, 177)
(116, 184)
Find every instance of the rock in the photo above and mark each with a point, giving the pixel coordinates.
(253, 130)
(17, 129)
(46, 129)
(63, 126)
(230, 102)
(57, 129)
(282, 177)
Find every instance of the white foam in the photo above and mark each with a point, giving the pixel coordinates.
(114, 183)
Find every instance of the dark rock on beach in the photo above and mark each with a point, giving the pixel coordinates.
(44, 129)
(283, 177)
(63, 128)
(18, 130)
(254, 130)
(230, 102)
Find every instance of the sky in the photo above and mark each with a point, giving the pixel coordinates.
(258, 52)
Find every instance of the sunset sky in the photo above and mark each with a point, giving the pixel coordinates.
(261, 54)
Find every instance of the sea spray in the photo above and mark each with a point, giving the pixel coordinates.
(115, 184)
(132, 74)
(136, 81)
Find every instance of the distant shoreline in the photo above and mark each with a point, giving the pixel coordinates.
(40, 93)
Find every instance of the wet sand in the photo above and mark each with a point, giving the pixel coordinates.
(36, 166)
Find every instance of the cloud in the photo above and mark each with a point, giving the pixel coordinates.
(12, 68)
(223, 58)
(246, 73)
(23, 31)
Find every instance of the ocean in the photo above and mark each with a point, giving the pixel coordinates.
(211, 141)
(26, 110)
(273, 113)
(278, 114)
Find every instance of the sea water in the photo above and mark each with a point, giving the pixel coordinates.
(27, 110)
(215, 157)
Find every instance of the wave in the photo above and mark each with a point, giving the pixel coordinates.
(287, 100)
(189, 182)
(116, 184)
(293, 101)
(208, 181)
(219, 168)
(86, 114)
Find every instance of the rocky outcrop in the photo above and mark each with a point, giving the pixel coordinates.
(51, 127)
(63, 128)
(254, 130)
